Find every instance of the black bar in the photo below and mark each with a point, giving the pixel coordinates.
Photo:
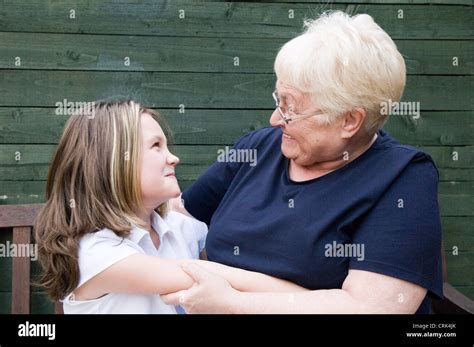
(229, 330)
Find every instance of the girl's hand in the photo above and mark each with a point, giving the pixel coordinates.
(209, 294)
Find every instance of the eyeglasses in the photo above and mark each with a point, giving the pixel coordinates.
(288, 115)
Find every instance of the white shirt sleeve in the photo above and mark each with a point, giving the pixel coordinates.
(193, 231)
(100, 250)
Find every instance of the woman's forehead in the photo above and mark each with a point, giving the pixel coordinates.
(285, 90)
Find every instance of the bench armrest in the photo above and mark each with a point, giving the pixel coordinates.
(454, 302)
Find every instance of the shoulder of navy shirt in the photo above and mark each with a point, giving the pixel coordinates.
(261, 220)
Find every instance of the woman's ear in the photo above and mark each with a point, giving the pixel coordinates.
(352, 122)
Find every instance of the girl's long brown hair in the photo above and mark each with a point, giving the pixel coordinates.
(93, 183)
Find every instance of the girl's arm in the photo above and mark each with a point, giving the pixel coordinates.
(143, 274)
(136, 274)
(248, 281)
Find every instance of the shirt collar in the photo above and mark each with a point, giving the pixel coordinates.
(158, 223)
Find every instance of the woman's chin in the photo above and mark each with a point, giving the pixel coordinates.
(288, 153)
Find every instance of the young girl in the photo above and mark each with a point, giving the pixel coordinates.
(107, 243)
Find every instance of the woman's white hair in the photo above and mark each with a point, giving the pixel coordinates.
(344, 62)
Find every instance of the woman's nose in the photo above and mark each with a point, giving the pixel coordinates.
(275, 119)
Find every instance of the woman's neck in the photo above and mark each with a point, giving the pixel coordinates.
(299, 173)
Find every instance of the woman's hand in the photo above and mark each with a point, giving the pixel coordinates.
(209, 293)
(177, 205)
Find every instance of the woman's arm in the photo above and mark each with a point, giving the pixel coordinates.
(145, 274)
(362, 292)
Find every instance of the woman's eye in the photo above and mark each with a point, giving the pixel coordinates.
(156, 144)
(287, 108)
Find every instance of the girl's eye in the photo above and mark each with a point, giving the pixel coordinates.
(156, 144)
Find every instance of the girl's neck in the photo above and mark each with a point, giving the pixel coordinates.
(145, 216)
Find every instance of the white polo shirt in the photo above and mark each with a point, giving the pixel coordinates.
(180, 237)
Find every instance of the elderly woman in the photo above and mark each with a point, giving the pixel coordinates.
(334, 203)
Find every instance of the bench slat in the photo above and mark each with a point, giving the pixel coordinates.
(21, 273)
(18, 215)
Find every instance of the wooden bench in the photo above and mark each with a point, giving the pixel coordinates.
(21, 218)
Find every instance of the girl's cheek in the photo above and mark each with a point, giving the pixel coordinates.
(158, 159)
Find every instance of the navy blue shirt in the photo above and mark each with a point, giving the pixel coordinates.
(383, 204)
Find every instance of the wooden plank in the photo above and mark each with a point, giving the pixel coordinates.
(21, 273)
(460, 175)
(18, 192)
(195, 126)
(456, 198)
(460, 268)
(433, 128)
(264, 20)
(451, 157)
(196, 90)
(457, 232)
(18, 215)
(42, 125)
(165, 54)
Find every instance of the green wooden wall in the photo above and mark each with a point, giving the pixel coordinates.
(190, 61)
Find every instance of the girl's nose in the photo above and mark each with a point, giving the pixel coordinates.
(172, 159)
